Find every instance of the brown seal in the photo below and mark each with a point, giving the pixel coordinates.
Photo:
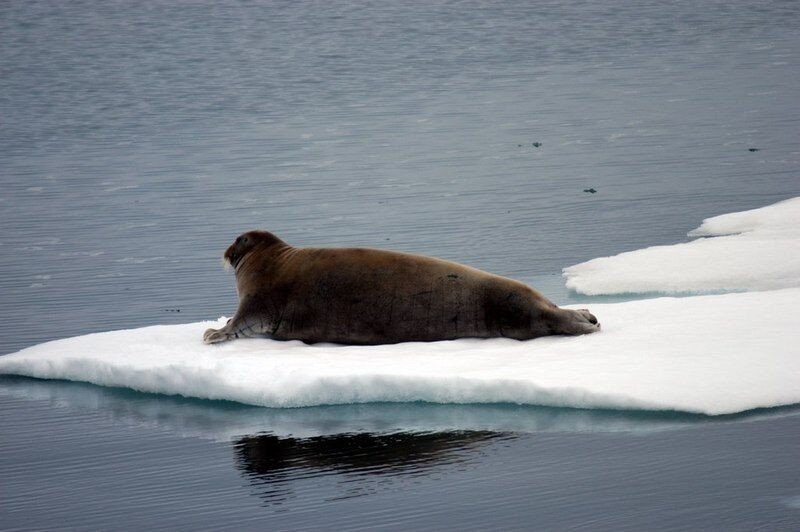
(371, 296)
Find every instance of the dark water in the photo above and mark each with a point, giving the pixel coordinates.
(88, 457)
(137, 139)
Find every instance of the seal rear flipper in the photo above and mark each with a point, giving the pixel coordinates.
(575, 322)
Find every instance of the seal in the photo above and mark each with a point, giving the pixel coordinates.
(370, 296)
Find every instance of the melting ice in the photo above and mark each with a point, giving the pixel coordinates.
(707, 354)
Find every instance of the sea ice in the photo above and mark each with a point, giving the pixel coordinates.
(714, 354)
(751, 250)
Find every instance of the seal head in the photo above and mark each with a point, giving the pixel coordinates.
(246, 243)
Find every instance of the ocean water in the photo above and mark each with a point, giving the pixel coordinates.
(138, 139)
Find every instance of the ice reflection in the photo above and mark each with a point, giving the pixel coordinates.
(307, 456)
(226, 421)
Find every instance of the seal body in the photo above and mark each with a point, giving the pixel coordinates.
(370, 296)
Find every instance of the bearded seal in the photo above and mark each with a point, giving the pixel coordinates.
(370, 296)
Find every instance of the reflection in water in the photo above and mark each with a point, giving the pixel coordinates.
(312, 455)
(224, 421)
(362, 463)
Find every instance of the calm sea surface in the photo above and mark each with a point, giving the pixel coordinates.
(137, 139)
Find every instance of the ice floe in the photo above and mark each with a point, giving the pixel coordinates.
(751, 250)
(714, 354)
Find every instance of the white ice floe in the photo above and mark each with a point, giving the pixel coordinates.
(713, 354)
(751, 250)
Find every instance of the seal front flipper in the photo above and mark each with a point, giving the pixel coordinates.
(213, 336)
(237, 327)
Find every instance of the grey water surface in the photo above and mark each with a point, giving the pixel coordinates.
(137, 139)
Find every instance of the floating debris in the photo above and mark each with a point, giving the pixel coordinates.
(172, 310)
(589, 190)
(536, 144)
(752, 149)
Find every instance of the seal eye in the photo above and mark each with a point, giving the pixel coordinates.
(244, 240)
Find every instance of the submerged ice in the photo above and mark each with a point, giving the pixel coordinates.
(751, 250)
(713, 354)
